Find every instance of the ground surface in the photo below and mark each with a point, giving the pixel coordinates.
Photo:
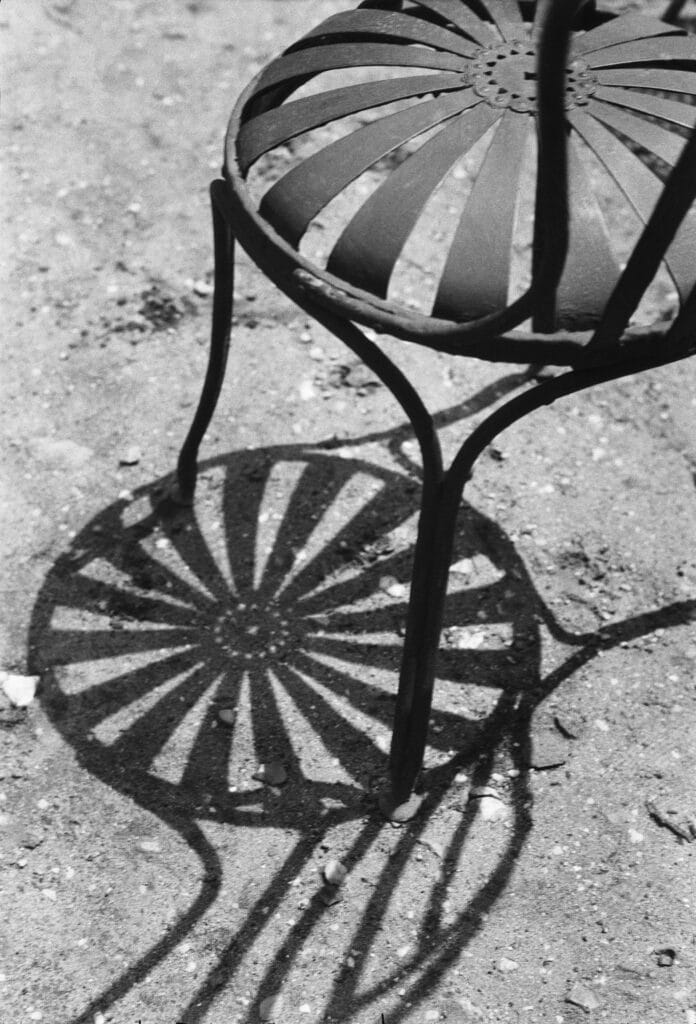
(146, 874)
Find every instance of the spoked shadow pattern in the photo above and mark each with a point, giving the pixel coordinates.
(280, 601)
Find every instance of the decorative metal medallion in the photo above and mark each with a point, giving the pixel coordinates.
(505, 76)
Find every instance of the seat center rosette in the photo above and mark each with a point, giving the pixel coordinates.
(505, 76)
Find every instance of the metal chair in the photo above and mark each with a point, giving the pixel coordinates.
(446, 98)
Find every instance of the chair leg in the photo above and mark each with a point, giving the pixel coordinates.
(439, 507)
(187, 467)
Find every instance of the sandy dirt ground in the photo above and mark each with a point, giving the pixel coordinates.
(152, 870)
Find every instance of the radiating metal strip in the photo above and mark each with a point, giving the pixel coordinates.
(664, 144)
(645, 51)
(394, 25)
(621, 30)
(301, 64)
(642, 189)
(463, 17)
(276, 126)
(650, 78)
(367, 250)
(591, 270)
(507, 16)
(683, 114)
(300, 194)
(476, 275)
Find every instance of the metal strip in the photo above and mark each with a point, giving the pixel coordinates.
(650, 78)
(475, 279)
(645, 51)
(392, 24)
(642, 189)
(464, 18)
(370, 245)
(507, 16)
(302, 64)
(591, 270)
(683, 114)
(621, 30)
(667, 145)
(276, 126)
(304, 191)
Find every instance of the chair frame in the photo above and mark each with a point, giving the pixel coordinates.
(611, 351)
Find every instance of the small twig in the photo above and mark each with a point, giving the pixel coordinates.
(662, 819)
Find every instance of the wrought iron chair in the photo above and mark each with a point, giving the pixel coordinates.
(422, 87)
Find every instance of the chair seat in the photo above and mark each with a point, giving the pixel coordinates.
(391, 154)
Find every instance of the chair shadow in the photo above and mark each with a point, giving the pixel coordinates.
(281, 598)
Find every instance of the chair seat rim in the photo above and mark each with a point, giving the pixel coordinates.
(497, 337)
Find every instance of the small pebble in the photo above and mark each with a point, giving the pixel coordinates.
(50, 894)
(149, 846)
(329, 895)
(31, 839)
(227, 716)
(99, 1018)
(492, 809)
(131, 456)
(273, 773)
(480, 791)
(19, 690)
(335, 873)
(582, 996)
(666, 956)
(505, 965)
(202, 288)
(270, 1008)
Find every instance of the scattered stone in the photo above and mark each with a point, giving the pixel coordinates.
(270, 1008)
(227, 716)
(31, 839)
(570, 724)
(506, 965)
(149, 846)
(492, 809)
(99, 1018)
(392, 587)
(329, 895)
(548, 750)
(582, 996)
(202, 288)
(664, 819)
(404, 951)
(307, 392)
(50, 894)
(435, 847)
(665, 956)
(19, 690)
(273, 773)
(131, 456)
(335, 873)
(478, 792)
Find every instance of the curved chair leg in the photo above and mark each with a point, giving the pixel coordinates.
(440, 503)
(187, 468)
